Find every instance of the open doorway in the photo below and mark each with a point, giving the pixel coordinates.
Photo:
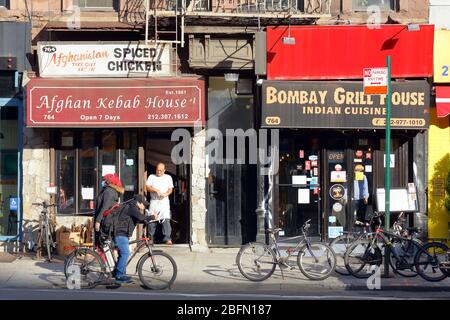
(158, 150)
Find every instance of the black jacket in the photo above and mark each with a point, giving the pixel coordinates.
(105, 200)
(128, 218)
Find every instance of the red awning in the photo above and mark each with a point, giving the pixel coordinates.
(443, 101)
(342, 52)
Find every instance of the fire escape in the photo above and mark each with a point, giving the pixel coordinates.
(167, 21)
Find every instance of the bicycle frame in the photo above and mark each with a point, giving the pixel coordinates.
(304, 240)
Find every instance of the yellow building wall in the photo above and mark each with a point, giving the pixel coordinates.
(438, 168)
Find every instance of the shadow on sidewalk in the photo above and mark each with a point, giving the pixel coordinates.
(233, 273)
(55, 276)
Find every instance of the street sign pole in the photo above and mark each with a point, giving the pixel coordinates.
(387, 164)
(387, 173)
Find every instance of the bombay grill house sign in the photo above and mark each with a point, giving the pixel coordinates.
(314, 104)
(114, 102)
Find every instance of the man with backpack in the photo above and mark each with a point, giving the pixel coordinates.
(127, 217)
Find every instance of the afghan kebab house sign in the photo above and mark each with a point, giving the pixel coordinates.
(314, 104)
(62, 59)
(114, 102)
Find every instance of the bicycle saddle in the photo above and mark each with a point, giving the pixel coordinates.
(273, 230)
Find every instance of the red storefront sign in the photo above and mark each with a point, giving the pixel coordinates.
(174, 102)
(342, 52)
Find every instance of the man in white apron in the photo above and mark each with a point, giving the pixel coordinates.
(160, 186)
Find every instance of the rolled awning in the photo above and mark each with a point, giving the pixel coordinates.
(442, 101)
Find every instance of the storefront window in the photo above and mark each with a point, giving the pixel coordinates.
(83, 157)
(88, 169)
(108, 152)
(9, 204)
(363, 5)
(66, 174)
(7, 81)
(96, 3)
(129, 160)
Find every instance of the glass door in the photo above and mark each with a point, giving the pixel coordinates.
(299, 185)
(337, 189)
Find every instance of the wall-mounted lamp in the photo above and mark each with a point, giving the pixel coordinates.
(231, 77)
(288, 40)
(413, 27)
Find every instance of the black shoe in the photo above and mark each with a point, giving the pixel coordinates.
(124, 279)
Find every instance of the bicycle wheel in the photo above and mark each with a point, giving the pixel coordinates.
(67, 261)
(157, 270)
(340, 246)
(430, 261)
(316, 260)
(402, 262)
(90, 265)
(256, 261)
(361, 257)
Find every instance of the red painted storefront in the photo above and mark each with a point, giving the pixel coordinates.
(342, 52)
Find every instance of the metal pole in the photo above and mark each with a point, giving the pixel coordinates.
(388, 149)
(387, 179)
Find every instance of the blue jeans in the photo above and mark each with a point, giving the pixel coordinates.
(122, 244)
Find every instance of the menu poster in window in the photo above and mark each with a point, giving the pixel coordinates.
(400, 200)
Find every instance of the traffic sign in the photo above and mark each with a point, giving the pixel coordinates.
(375, 80)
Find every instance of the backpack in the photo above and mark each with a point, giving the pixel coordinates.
(110, 219)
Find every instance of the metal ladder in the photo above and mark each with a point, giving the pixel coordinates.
(152, 11)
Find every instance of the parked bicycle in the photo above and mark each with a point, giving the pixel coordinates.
(341, 243)
(45, 240)
(368, 253)
(156, 269)
(257, 261)
(433, 261)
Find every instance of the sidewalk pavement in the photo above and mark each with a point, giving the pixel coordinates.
(211, 271)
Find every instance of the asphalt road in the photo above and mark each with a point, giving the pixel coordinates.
(141, 294)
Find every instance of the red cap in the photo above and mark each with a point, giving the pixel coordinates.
(112, 179)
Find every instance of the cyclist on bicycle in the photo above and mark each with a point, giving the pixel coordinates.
(131, 215)
(107, 198)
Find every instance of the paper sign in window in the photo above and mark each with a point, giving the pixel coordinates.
(108, 169)
(298, 179)
(87, 193)
(303, 196)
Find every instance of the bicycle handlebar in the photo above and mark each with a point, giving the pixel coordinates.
(43, 204)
